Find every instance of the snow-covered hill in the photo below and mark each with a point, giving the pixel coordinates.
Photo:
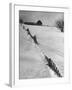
(51, 43)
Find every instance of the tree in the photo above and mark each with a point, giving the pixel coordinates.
(21, 21)
(39, 22)
(60, 25)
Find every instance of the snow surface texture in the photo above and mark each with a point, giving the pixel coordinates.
(31, 60)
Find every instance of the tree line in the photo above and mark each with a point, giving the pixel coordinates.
(59, 23)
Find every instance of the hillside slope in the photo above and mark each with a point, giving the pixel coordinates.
(51, 42)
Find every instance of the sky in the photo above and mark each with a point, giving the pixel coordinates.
(47, 18)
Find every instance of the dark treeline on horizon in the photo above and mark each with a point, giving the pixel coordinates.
(59, 24)
(30, 23)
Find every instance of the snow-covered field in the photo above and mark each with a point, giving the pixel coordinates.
(32, 63)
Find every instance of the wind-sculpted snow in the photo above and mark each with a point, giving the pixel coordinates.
(51, 42)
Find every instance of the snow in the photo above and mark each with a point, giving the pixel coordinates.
(32, 63)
